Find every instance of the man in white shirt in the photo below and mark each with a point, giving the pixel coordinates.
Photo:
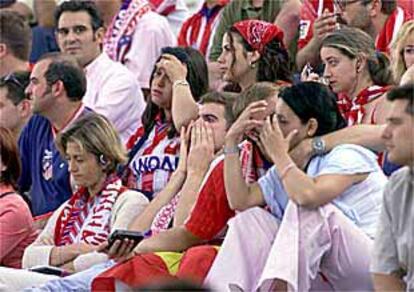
(135, 36)
(392, 264)
(112, 89)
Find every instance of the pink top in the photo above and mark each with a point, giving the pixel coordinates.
(16, 228)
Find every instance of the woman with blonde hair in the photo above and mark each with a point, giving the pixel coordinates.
(358, 74)
(402, 50)
(75, 236)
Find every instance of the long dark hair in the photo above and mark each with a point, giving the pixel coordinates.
(274, 63)
(197, 77)
(314, 100)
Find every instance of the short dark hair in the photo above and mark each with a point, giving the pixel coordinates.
(15, 83)
(16, 34)
(224, 98)
(79, 6)
(9, 158)
(66, 69)
(387, 7)
(314, 100)
(404, 92)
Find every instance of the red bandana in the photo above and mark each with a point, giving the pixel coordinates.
(258, 33)
(353, 110)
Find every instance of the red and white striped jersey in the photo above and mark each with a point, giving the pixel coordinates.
(198, 30)
(390, 29)
(156, 160)
(310, 11)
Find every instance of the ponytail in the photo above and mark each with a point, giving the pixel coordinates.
(379, 69)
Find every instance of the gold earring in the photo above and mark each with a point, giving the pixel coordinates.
(252, 65)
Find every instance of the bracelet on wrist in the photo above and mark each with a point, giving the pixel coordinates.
(181, 82)
(231, 150)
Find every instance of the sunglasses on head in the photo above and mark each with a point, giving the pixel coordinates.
(12, 79)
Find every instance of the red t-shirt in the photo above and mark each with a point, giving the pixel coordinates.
(390, 30)
(310, 11)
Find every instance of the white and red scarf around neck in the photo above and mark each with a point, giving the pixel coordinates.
(118, 38)
(85, 219)
(198, 29)
(353, 110)
(390, 30)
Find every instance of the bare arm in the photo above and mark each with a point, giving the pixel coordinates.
(383, 282)
(240, 195)
(184, 108)
(368, 136)
(175, 239)
(143, 222)
(288, 19)
(199, 159)
(302, 189)
(310, 53)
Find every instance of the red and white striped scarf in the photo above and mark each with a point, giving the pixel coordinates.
(253, 166)
(163, 7)
(199, 28)
(86, 219)
(390, 30)
(353, 110)
(118, 38)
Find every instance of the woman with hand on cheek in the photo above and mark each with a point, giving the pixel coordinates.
(340, 190)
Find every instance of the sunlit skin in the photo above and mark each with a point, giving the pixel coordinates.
(76, 37)
(161, 89)
(408, 51)
(38, 90)
(84, 168)
(398, 134)
(235, 63)
(288, 121)
(9, 113)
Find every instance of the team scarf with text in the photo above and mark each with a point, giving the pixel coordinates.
(87, 219)
(118, 38)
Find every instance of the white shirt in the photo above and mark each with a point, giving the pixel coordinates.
(151, 35)
(113, 92)
(360, 202)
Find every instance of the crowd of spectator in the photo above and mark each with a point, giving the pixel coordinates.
(256, 145)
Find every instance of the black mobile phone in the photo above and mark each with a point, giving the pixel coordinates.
(48, 270)
(118, 234)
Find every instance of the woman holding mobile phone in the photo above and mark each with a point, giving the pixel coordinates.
(76, 234)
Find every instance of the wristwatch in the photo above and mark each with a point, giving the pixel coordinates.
(318, 146)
